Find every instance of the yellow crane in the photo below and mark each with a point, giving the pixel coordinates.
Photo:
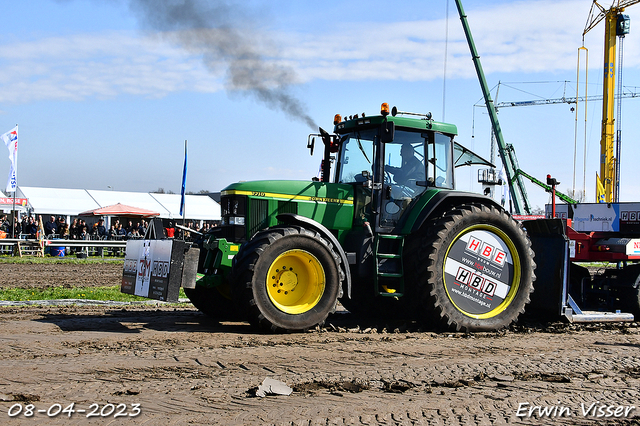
(616, 25)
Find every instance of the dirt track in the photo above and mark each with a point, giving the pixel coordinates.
(25, 275)
(183, 368)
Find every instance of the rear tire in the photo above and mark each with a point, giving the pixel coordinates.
(287, 278)
(472, 269)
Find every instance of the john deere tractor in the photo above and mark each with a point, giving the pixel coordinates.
(382, 230)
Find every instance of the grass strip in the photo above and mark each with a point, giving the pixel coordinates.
(89, 293)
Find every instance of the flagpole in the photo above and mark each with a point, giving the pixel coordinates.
(183, 209)
(13, 215)
(13, 212)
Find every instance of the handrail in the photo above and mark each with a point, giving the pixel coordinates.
(65, 243)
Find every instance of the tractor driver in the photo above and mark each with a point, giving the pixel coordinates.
(411, 168)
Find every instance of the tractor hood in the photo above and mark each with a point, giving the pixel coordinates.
(294, 190)
(330, 204)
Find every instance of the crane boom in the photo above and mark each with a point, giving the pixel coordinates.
(547, 188)
(563, 100)
(608, 178)
(595, 18)
(516, 184)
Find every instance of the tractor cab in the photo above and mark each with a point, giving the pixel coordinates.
(397, 159)
(398, 171)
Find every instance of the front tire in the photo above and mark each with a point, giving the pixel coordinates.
(474, 269)
(289, 278)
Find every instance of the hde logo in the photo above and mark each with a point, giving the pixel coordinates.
(486, 251)
(476, 282)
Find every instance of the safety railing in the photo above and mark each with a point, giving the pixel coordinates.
(58, 247)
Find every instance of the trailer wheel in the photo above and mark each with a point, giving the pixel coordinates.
(630, 293)
(633, 302)
(474, 270)
(214, 302)
(288, 278)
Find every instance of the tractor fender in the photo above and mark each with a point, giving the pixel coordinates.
(294, 219)
(443, 201)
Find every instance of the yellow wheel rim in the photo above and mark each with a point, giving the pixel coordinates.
(514, 281)
(295, 281)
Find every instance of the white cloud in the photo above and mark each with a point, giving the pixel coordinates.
(533, 36)
(517, 37)
(98, 65)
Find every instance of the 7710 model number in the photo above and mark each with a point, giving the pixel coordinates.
(95, 410)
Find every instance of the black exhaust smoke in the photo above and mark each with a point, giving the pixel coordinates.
(221, 32)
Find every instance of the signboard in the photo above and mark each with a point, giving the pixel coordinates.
(630, 218)
(153, 269)
(19, 201)
(521, 217)
(562, 211)
(614, 217)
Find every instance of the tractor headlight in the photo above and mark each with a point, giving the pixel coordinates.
(236, 220)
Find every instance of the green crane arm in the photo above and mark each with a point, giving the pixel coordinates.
(516, 185)
(546, 187)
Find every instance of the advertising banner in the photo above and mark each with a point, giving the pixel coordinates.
(10, 139)
(149, 270)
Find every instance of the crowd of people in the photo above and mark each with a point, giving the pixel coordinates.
(27, 227)
(79, 229)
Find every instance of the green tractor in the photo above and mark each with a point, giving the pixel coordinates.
(382, 230)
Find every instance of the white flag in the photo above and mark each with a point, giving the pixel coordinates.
(10, 139)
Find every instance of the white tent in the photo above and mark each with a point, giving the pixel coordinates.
(197, 207)
(70, 202)
(57, 201)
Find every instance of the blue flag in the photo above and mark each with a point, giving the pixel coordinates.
(184, 179)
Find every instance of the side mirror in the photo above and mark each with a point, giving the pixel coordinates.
(387, 131)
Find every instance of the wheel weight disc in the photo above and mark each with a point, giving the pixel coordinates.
(481, 271)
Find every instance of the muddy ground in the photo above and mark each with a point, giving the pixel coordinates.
(25, 275)
(177, 367)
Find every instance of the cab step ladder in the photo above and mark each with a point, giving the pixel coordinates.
(389, 277)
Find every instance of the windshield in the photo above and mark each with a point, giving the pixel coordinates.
(404, 159)
(412, 162)
(357, 156)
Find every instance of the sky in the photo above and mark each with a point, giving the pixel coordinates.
(105, 93)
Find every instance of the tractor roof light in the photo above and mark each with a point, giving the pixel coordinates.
(384, 109)
(337, 119)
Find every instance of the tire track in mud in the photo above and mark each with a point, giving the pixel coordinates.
(184, 370)
(462, 388)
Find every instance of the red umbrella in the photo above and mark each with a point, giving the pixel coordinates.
(120, 210)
